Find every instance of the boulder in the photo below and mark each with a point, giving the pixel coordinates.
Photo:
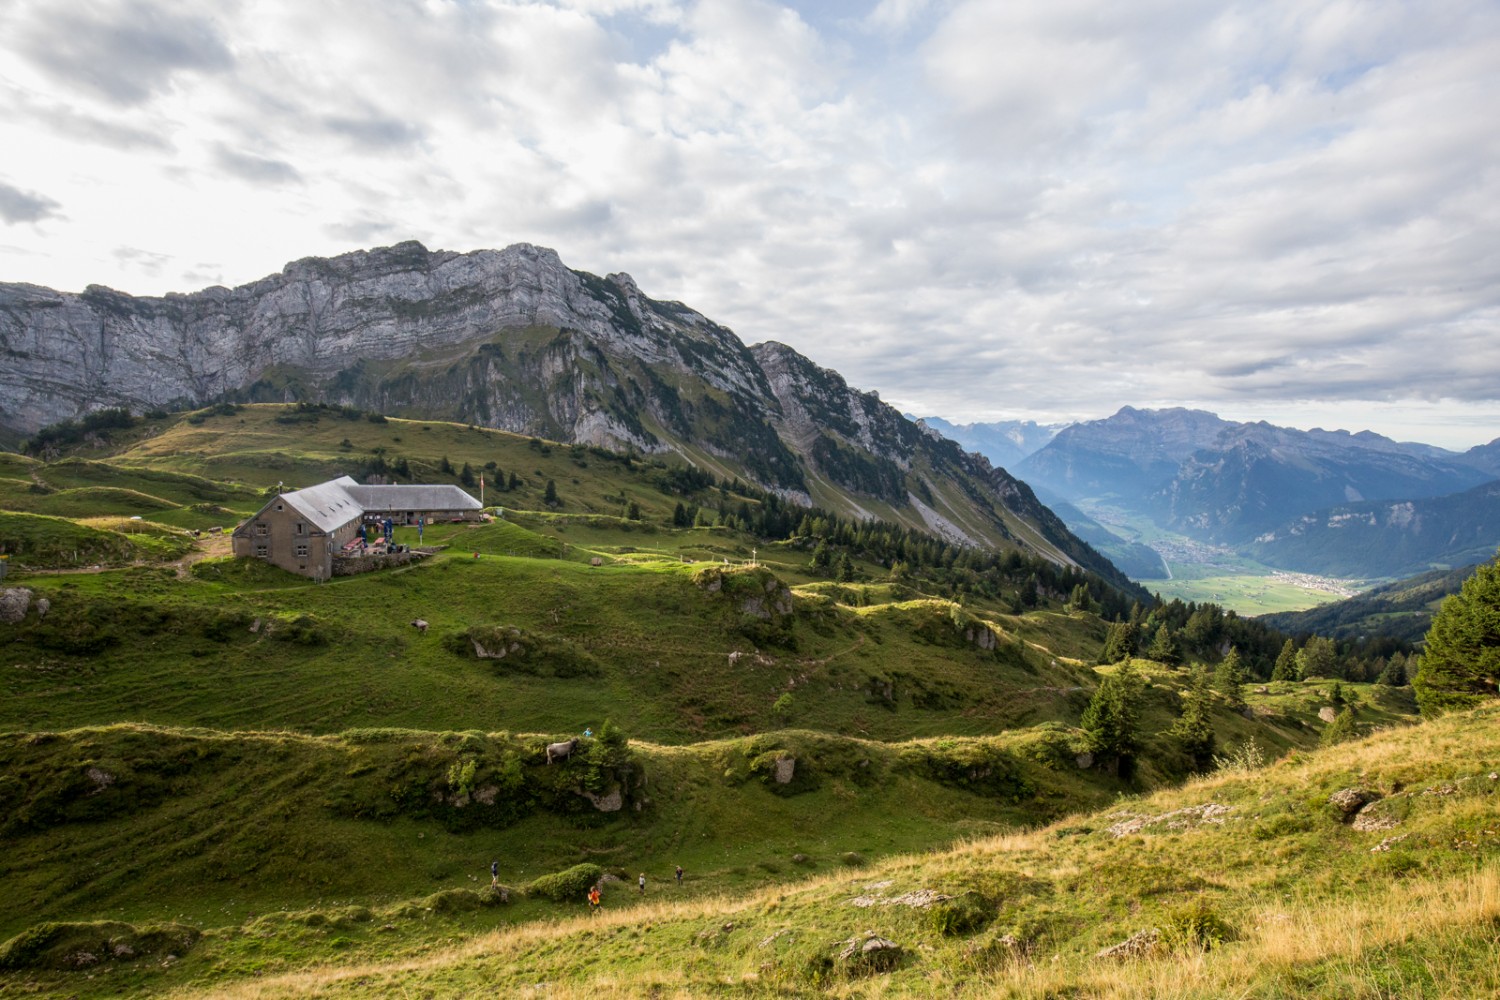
(1138, 945)
(1347, 802)
(786, 767)
(14, 603)
(1327, 714)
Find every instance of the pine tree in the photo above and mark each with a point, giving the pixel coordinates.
(679, 516)
(1119, 643)
(1229, 678)
(1318, 658)
(633, 511)
(513, 483)
(1111, 722)
(466, 476)
(1342, 728)
(1193, 730)
(549, 497)
(1394, 673)
(1163, 648)
(1461, 660)
(846, 568)
(1286, 663)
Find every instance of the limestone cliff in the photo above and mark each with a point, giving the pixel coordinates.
(516, 340)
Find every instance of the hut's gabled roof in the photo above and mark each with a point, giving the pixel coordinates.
(411, 497)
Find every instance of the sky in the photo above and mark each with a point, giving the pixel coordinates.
(1285, 210)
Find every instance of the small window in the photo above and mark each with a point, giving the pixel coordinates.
(301, 528)
(260, 552)
(279, 507)
(261, 528)
(302, 551)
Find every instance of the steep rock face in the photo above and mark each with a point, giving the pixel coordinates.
(506, 338)
(516, 340)
(867, 448)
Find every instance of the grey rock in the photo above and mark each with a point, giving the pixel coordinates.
(786, 767)
(14, 603)
(1349, 801)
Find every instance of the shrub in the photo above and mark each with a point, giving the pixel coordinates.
(1195, 928)
(568, 885)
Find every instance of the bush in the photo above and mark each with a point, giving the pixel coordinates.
(1195, 928)
(569, 885)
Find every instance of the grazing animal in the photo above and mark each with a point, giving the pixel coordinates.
(420, 625)
(561, 751)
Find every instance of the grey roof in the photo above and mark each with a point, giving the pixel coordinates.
(412, 497)
(337, 502)
(327, 505)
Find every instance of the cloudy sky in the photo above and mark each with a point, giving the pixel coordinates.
(1281, 209)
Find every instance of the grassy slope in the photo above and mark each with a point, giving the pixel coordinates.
(247, 825)
(1290, 901)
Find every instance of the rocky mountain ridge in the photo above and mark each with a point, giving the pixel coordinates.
(513, 339)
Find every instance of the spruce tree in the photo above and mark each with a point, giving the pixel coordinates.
(1229, 678)
(1319, 657)
(1111, 722)
(1286, 663)
(1119, 643)
(1394, 673)
(1461, 660)
(549, 497)
(1194, 730)
(1163, 648)
(1342, 728)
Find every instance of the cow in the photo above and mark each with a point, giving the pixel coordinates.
(420, 625)
(561, 751)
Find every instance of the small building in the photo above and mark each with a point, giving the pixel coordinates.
(302, 531)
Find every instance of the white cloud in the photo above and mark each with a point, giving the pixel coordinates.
(1021, 209)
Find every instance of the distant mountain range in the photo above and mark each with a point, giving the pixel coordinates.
(1004, 442)
(514, 339)
(1280, 495)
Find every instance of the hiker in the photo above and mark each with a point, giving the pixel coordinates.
(589, 732)
(594, 896)
(494, 874)
(642, 883)
(679, 876)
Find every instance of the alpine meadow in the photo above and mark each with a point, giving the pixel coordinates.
(749, 499)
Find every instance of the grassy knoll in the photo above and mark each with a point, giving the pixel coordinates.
(1248, 883)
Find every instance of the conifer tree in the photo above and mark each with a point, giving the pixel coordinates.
(1461, 659)
(1163, 648)
(1229, 678)
(549, 497)
(1319, 657)
(1111, 722)
(1286, 663)
(1342, 728)
(1193, 730)
(1394, 672)
(1119, 643)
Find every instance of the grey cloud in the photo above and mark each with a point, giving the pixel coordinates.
(122, 51)
(360, 231)
(374, 132)
(17, 206)
(256, 169)
(147, 261)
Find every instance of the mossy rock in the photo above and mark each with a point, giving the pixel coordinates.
(64, 945)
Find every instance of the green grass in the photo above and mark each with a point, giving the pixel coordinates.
(277, 763)
(1249, 594)
(1254, 885)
